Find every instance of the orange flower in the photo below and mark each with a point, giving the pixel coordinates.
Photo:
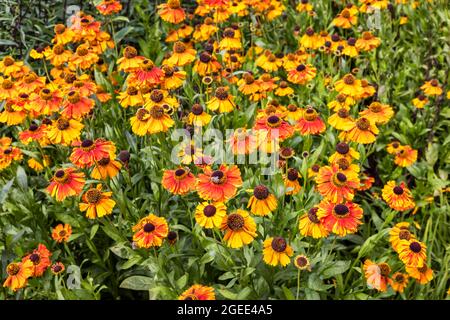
(172, 11)
(130, 61)
(432, 88)
(291, 182)
(277, 251)
(61, 233)
(179, 181)
(398, 197)
(405, 157)
(181, 55)
(18, 274)
(311, 226)
(58, 268)
(376, 275)
(65, 183)
(363, 131)
(423, 274)
(239, 227)
(275, 126)
(34, 133)
(106, 167)
(412, 252)
(302, 74)
(336, 186)
(40, 258)
(399, 281)
(377, 112)
(222, 101)
(107, 7)
(310, 123)
(219, 185)
(150, 231)
(88, 152)
(97, 203)
(346, 19)
(262, 202)
(45, 102)
(341, 219)
(198, 292)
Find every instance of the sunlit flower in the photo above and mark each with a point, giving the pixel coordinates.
(262, 202)
(97, 203)
(405, 157)
(89, 152)
(179, 181)
(311, 226)
(240, 229)
(219, 185)
(277, 251)
(222, 101)
(210, 215)
(198, 292)
(66, 182)
(310, 123)
(342, 218)
(398, 197)
(64, 131)
(150, 231)
(335, 185)
(422, 274)
(412, 252)
(432, 88)
(18, 274)
(172, 11)
(40, 258)
(363, 131)
(61, 233)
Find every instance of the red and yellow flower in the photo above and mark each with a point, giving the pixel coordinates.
(198, 292)
(179, 181)
(65, 183)
(150, 231)
(262, 202)
(219, 185)
(398, 197)
(62, 232)
(342, 218)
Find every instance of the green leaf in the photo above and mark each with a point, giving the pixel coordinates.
(244, 293)
(336, 268)
(21, 178)
(181, 283)
(227, 294)
(137, 283)
(5, 190)
(288, 293)
(94, 230)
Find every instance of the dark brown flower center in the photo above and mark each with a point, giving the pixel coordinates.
(404, 235)
(179, 47)
(35, 258)
(218, 177)
(398, 190)
(343, 164)
(261, 192)
(209, 211)
(375, 107)
(197, 109)
(130, 52)
(221, 93)
(301, 68)
(141, 114)
(104, 161)
(341, 210)
(415, 247)
(273, 121)
(343, 113)
(301, 262)
(235, 222)
(33, 127)
(149, 227)
(363, 124)
(205, 57)
(13, 269)
(384, 269)
(57, 268)
(310, 31)
(292, 174)
(62, 124)
(312, 215)
(279, 244)
(342, 148)
(157, 112)
(93, 196)
(73, 97)
(349, 79)
(87, 144)
(132, 91)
